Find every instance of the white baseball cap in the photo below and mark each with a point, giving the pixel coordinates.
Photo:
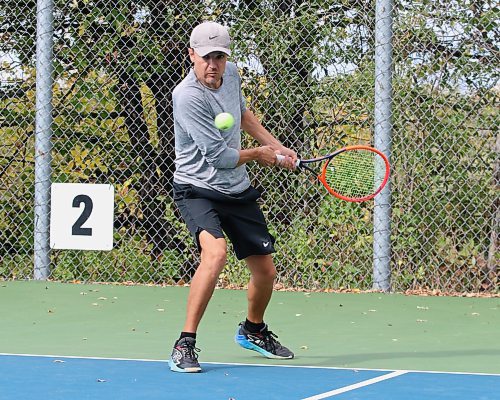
(209, 37)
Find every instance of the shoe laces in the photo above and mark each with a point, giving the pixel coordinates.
(189, 350)
(269, 338)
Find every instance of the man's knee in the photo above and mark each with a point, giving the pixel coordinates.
(262, 267)
(269, 273)
(213, 250)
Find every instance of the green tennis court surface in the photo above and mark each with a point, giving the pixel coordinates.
(335, 336)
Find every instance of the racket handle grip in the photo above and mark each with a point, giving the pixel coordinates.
(281, 157)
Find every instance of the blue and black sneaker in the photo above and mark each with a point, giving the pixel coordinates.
(263, 342)
(184, 356)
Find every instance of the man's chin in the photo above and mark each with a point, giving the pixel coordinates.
(212, 82)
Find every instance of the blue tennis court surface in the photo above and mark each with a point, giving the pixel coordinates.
(53, 377)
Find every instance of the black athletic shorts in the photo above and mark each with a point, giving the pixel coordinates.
(238, 216)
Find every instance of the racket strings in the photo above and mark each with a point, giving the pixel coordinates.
(353, 173)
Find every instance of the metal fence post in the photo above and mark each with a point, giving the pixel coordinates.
(43, 126)
(383, 132)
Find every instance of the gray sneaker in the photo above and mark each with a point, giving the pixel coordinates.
(263, 342)
(184, 356)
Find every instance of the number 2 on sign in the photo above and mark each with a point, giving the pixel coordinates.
(77, 229)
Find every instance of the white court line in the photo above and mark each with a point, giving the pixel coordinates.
(253, 365)
(356, 386)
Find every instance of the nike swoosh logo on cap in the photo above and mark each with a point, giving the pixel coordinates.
(212, 37)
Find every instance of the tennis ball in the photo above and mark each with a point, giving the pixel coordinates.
(224, 121)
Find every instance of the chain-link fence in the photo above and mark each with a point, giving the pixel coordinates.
(308, 73)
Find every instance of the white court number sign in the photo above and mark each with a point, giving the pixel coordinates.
(81, 216)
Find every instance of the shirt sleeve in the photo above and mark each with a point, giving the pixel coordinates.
(198, 124)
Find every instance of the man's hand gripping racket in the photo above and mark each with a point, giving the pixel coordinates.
(353, 173)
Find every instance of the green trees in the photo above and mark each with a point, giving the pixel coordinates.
(307, 68)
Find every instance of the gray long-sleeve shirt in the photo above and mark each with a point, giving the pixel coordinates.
(205, 156)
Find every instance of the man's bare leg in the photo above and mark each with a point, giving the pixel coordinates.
(260, 287)
(213, 259)
(253, 333)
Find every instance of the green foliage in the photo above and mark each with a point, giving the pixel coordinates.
(16, 266)
(443, 222)
(129, 262)
(307, 70)
(16, 177)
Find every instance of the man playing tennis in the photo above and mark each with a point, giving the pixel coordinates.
(213, 192)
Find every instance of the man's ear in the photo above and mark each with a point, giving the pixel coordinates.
(191, 54)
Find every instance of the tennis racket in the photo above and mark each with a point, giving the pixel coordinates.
(353, 173)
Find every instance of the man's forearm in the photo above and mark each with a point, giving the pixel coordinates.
(248, 155)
